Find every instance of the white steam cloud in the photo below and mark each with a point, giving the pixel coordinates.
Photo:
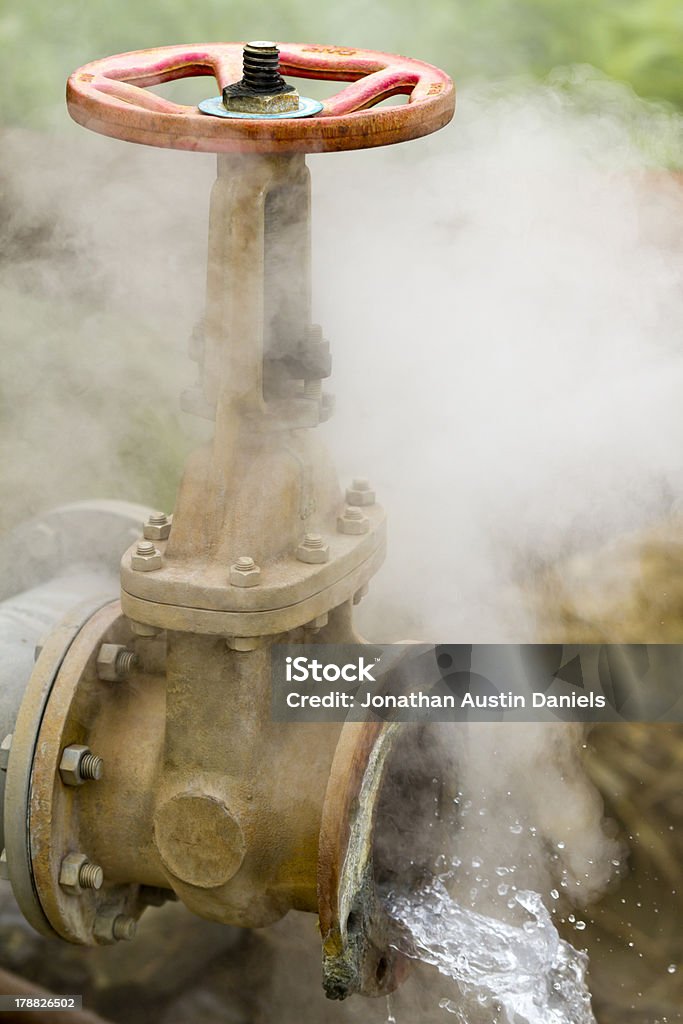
(504, 303)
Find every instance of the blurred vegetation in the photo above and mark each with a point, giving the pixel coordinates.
(639, 42)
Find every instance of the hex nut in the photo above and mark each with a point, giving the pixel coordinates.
(5, 748)
(114, 662)
(146, 557)
(360, 493)
(353, 521)
(157, 527)
(313, 550)
(76, 873)
(78, 764)
(245, 572)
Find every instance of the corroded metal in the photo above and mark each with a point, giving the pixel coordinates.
(161, 705)
(110, 96)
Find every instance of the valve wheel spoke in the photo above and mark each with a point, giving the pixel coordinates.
(111, 96)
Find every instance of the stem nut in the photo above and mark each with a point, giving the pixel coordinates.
(78, 764)
(360, 493)
(157, 527)
(353, 521)
(245, 572)
(146, 557)
(76, 873)
(313, 550)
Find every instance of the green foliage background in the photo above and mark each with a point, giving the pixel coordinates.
(636, 41)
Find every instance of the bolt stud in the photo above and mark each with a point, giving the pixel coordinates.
(92, 767)
(110, 926)
(115, 662)
(90, 876)
(124, 928)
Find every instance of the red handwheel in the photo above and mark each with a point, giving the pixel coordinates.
(110, 96)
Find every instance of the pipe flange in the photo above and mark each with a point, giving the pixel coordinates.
(43, 830)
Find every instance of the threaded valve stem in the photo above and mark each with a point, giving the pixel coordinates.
(261, 69)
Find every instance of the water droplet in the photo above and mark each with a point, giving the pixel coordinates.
(672, 968)
(580, 926)
(560, 846)
(516, 829)
(555, 894)
(503, 889)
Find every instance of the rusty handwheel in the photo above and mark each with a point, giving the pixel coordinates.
(110, 96)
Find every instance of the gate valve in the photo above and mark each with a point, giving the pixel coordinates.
(161, 700)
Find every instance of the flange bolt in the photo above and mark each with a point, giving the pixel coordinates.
(157, 527)
(91, 876)
(92, 767)
(353, 521)
(146, 557)
(124, 928)
(244, 572)
(313, 549)
(115, 662)
(110, 926)
(76, 872)
(79, 764)
(360, 492)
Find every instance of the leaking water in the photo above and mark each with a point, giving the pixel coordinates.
(524, 973)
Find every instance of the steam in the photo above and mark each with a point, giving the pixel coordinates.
(507, 303)
(504, 303)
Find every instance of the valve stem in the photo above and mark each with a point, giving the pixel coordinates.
(261, 69)
(262, 89)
